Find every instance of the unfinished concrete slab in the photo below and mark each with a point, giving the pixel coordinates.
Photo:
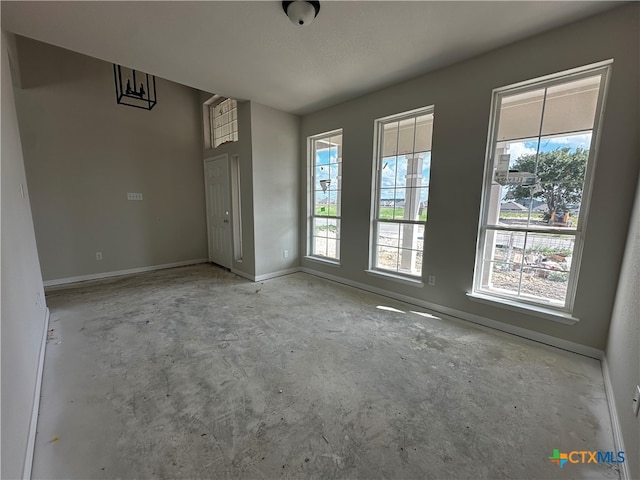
(197, 373)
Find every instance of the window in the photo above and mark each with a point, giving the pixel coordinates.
(326, 180)
(403, 162)
(224, 122)
(535, 198)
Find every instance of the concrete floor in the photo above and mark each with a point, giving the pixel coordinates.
(196, 373)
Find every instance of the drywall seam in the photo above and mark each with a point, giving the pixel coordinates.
(470, 317)
(33, 426)
(618, 440)
(117, 273)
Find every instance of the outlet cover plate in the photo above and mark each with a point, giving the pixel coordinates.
(636, 401)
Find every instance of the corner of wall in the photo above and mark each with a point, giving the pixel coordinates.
(618, 437)
(23, 302)
(621, 368)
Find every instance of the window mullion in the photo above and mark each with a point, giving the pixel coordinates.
(544, 102)
(395, 171)
(524, 249)
(401, 221)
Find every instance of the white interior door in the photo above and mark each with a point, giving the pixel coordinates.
(216, 171)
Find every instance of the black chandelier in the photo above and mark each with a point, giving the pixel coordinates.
(139, 92)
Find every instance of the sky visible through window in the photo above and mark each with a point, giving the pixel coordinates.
(520, 148)
(326, 169)
(396, 167)
(394, 171)
(549, 144)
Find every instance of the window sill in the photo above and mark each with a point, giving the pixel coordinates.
(413, 282)
(323, 261)
(537, 311)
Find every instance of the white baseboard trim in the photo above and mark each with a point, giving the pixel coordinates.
(243, 274)
(618, 440)
(469, 317)
(33, 425)
(265, 276)
(117, 273)
(279, 273)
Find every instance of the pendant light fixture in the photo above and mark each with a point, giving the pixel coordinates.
(133, 88)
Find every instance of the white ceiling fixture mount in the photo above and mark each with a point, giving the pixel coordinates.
(301, 12)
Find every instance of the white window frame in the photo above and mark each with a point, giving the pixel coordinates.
(375, 205)
(231, 126)
(311, 149)
(538, 307)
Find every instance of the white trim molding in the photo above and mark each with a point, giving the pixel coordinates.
(279, 273)
(521, 307)
(406, 280)
(242, 274)
(618, 440)
(117, 273)
(35, 411)
(470, 317)
(265, 276)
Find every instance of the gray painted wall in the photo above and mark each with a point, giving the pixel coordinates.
(22, 297)
(242, 148)
(276, 170)
(83, 153)
(623, 345)
(461, 95)
(267, 149)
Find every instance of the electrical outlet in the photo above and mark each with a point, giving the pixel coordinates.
(636, 401)
(431, 280)
(285, 253)
(98, 255)
(134, 196)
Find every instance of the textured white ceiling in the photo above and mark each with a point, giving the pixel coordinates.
(250, 50)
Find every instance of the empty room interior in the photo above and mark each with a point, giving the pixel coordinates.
(320, 239)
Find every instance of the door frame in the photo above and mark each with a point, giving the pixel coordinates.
(225, 157)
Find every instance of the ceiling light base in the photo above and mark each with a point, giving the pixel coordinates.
(301, 12)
